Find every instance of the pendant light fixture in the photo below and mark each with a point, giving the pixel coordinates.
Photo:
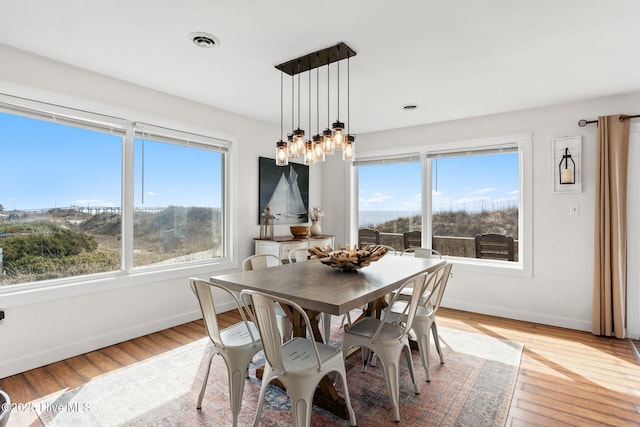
(315, 149)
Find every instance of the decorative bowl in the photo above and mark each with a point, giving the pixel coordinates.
(354, 259)
(299, 230)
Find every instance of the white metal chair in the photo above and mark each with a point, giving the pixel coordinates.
(298, 255)
(418, 253)
(424, 323)
(299, 364)
(236, 344)
(258, 262)
(388, 341)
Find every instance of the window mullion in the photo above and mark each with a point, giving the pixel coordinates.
(127, 199)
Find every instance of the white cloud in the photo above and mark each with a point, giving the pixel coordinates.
(484, 190)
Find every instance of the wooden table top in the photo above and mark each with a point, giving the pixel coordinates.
(318, 287)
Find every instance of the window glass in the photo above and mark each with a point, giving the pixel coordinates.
(471, 195)
(389, 201)
(178, 193)
(60, 200)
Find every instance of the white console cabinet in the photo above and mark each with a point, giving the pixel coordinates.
(281, 246)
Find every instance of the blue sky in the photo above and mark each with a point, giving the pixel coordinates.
(471, 183)
(72, 166)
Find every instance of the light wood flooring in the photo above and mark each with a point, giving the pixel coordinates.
(566, 378)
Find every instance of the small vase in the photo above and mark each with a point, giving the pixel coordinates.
(315, 228)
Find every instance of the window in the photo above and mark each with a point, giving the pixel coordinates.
(389, 199)
(475, 193)
(446, 195)
(177, 199)
(70, 206)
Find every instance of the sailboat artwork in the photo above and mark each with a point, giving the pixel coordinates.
(285, 191)
(286, 200)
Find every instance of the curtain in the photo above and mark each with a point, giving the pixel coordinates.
(610, 259)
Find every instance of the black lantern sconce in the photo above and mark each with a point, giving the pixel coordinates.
(567, 168)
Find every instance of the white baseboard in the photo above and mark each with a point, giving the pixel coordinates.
(67, 350)
(562, 322)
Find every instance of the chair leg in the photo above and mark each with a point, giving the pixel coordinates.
(266, 379)
(391, 376)
(436, 340)
(301, 405)
(407, 351)
(424, 347)
(206, 377)
(342, 375)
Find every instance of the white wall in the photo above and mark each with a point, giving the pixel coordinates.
(42, 327)
(560, 289)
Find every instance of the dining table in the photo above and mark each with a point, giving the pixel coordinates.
(319, 288)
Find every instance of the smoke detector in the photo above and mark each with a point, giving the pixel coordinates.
(204, 40)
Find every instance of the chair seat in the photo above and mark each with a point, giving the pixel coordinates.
(400, 307)
(298, 354)
(238, 335)
(367, 327)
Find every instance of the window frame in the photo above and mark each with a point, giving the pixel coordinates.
(523, 143)
(40, 291)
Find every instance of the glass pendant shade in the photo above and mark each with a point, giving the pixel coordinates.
(338, 136)
(349, 150)
(327, 141)
(318, 148)
(309, 154)
(282, 156)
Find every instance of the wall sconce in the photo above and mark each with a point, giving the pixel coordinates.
(566, 155)
(567, 168)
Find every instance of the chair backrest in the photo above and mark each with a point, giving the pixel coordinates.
(260, 261)
(495, 246)
(264, 312)
(299, 255)
(420, 284)
(423, 252)
(412, 239)
(202, 290)
(443, 277)
(368, 236)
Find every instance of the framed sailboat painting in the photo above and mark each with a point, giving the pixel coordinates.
(285, 189)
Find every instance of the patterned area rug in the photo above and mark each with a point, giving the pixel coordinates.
(473, 388)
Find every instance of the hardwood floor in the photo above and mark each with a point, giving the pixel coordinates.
(566, 377)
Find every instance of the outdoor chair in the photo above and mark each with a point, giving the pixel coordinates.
(236, 344)
(412, 239)
(388, 340)
(368, 236)
(299, 364)
(258, 262)
(495, 246)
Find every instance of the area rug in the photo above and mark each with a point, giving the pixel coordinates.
(473, 388)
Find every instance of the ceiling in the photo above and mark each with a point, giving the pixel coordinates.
(454, 59)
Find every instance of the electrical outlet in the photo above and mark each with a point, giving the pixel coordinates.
(451, 274)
